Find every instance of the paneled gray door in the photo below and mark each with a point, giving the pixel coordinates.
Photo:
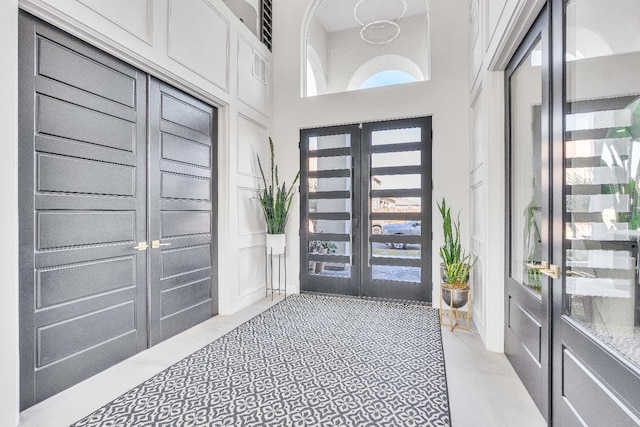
(117, 235)
(82, 208)
(181, 214)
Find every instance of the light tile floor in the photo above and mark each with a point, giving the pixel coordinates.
(483, 388)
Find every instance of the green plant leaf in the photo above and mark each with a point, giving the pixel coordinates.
(275, 200)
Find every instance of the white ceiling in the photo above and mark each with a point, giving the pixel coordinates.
(337, 15)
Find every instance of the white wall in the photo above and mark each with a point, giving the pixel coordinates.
(9, 212)
(198, 46)
(496, 28)
(445, 97)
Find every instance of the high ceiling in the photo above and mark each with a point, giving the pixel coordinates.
(338, 15)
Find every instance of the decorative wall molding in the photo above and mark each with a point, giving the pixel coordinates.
(251, 135)
(199, 54)
(474, 21)
(98, 6)
(250, 220)
(477, 204)
(251, 90)
(477, 134)
(489, 31)
(251, 262)
(522, 17)
(127, 54)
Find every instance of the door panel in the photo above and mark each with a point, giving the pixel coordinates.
(181, 211)
(596, 322)
(528, 241)
(329, 210)
(83, 208)
(396, 165)
(351, 246)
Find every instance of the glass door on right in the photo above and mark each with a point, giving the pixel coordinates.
(597, 319)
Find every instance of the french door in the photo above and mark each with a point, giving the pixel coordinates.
(527, 287)
(573, 295)
(366, 210)
(596, 311)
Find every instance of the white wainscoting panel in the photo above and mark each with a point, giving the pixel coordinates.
(251, 270)
(253, 76)
(250, 219)
(198, 38)
(253, 140)
(477, 131)
(475, 40)
(478, 249)
(133, 16)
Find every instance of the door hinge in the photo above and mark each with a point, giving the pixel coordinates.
(299, 144)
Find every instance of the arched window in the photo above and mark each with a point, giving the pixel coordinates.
(350, 42)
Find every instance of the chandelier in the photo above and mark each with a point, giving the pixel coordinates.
(379, 19)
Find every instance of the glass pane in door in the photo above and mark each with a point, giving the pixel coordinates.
(330, 205)
(526, 186)
(602, 158)
(396, 204)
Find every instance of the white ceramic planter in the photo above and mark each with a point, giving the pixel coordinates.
(275, 244)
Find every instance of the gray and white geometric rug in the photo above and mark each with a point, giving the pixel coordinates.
(307, 361)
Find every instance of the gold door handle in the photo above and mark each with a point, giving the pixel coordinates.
(141, 246)
(553, 271)
(542, 265)
(155, 244)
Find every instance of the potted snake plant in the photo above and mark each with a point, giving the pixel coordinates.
(275, 201)
(456, 262)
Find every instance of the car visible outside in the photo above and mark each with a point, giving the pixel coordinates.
(407, 228)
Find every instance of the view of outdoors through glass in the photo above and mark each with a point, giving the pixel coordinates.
(394, 197)
(602, 159)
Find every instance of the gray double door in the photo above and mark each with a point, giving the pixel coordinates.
(117, 238)
(365, 202)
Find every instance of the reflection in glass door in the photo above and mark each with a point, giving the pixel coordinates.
(597, 317)
(365, 210)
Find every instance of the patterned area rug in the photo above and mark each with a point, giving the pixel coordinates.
(308, 361)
